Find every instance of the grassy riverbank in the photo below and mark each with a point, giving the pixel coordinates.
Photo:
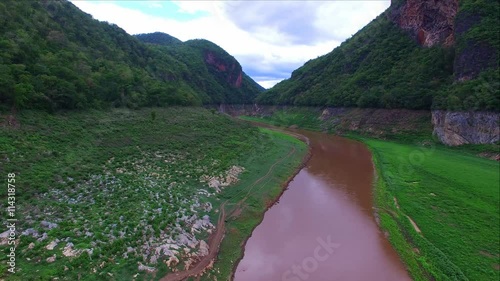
(259, 189)
(450, 194)
(452, 197)
(99, 192)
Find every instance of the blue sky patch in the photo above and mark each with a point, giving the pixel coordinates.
(164, 9)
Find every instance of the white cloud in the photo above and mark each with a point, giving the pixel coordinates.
(266, 82)
(269, 38)
(154, 4)
(192, 7)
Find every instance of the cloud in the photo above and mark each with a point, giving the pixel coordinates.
(291, 20)
(269, 38)
(154, 4)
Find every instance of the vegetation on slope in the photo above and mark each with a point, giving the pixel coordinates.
(209, 77)
(114, 186)
(382, 66)
(53, 56)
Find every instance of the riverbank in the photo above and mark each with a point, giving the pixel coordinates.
(438, 206)
(476, 131)
(329, 200)
(134, 194)
(262, 190)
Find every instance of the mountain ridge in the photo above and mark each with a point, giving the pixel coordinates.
(222, 67)
(410, 56)
(54, 56)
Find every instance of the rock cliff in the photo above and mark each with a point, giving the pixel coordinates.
(430, 22)
(451, 128)
(457, 128)
(443, 22)
(230, 69)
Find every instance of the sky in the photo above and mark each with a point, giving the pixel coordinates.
(270, 39)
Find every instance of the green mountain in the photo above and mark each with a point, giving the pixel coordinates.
(53, 56)
(213, 68)
(417, 54)
(159, 38)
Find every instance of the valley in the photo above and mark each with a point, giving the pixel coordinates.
(432, 203)
(146, 151)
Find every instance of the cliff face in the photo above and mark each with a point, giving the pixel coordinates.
(443, 22)
(231, 70)
(451, 128)
(430, 22)
(457, 128)
(380, 123)
(220, 77)
(418, 54)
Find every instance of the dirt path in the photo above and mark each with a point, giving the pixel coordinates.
(216, 238)
(213, 243)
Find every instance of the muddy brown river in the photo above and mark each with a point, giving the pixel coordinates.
(323, 228)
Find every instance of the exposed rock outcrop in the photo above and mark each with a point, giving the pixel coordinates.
(457, 128)
(232, 70)
(375, 122)
(430, 22)
(440, 22)
(452, 128)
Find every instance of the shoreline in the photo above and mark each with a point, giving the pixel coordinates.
(284, 187)
(211, 258)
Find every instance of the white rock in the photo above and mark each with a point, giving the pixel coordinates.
(4, 237)
(52, 245)
(68, 251)
(146, 268)
(172, 261)
(204, 249)
(51, 259)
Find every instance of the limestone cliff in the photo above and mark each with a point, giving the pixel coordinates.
(231, 69)
(430, 22)
(467, 26)
(457, 128)
(451, 128)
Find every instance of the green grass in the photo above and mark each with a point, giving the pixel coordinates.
(452, 196)
(449, 192)
(127, 177)
(261, 196)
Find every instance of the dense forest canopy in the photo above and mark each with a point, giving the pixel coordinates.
(212, 68)
(53, 56)
(381, 66)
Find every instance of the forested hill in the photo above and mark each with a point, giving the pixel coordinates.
(53, 56)
(418, 55)
(213, 68)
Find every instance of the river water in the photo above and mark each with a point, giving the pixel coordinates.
(323, 228)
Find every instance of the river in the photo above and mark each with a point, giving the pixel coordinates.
(323, 228)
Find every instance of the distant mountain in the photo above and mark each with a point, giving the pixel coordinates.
(217, 73)
(418, 54)
(53, 56)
